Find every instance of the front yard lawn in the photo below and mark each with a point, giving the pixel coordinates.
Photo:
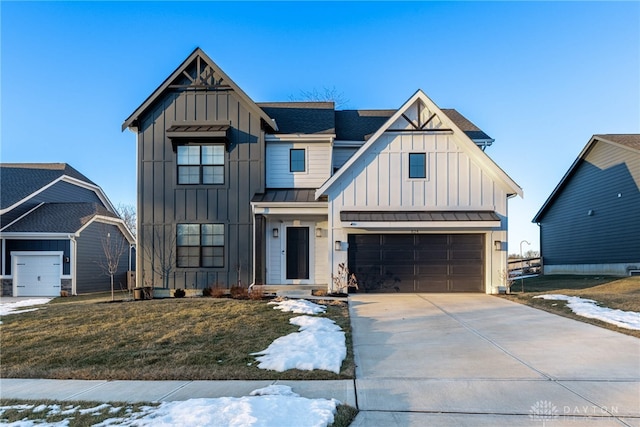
(90, 337)
(612, 292)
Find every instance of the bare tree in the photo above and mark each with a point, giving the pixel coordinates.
(128, 214)
(325, 95)
(159, 250)
(113, 247)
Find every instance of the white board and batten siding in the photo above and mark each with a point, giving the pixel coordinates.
(317, 165)
(276, 255)
(380, 179)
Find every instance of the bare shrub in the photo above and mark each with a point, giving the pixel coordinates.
(239, 292)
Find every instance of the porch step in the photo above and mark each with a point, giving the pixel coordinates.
(293, 291)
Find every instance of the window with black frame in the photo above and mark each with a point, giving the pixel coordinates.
(200, 245)
(417, 165)
(201, 164)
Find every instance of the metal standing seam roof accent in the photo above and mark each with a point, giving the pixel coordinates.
(198, 128)
(286, 195)
(417, 216)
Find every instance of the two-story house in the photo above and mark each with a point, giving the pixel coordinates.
(237, 192)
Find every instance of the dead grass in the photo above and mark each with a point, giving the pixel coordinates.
(89, 337)
(613, 292)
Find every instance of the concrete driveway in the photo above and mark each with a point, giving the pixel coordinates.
(476, 360)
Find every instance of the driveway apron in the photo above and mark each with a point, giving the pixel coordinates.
(472, 359)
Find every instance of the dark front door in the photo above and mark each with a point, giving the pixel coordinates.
(418, 262)
(297, 252)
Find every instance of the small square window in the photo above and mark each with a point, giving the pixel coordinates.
(417, 165)
(296, 160)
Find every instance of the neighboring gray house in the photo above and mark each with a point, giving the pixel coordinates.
(281, 194)
(53, 222)
(590, 224)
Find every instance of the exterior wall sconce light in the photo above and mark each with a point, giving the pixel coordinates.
(318, 232)
(590, 212)
(338, 245)
(497, 245)
(276, 233)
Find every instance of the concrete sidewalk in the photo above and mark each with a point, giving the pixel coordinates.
(164, 391)
(450, 359)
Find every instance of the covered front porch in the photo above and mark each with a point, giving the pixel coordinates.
(291, 241)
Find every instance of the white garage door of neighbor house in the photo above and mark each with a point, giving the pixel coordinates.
(37, 275)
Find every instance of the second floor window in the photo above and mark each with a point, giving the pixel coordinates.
(201, 164)
(417, 165)
(296, 160)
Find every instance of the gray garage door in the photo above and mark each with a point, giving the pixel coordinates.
(418, 262)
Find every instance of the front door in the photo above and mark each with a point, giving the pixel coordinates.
(297, 253)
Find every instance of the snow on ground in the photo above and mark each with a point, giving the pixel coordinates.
(300, 306)
(590, 308)
(320, 344)
(15, 307)
(273, 406)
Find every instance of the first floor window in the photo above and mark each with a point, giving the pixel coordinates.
(417, 165)
(201, 164)
(200, 245)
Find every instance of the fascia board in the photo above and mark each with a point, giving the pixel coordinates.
(320, 208)
(167, 82)
(300, 137)
(422, 225)
(112, 221)
(35, 236)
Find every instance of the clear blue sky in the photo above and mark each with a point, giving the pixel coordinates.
(539, 77)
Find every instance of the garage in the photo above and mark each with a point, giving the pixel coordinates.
(418, 262)
(36, 274)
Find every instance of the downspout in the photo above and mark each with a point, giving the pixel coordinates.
(72, 268)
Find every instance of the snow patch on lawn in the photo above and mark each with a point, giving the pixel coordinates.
(320, 344)
(590, 308)
(299, 306)
(273, 406)
(15, 307)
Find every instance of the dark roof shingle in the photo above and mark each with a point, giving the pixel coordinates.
(58, 218)
(302, 117)
(19, 180)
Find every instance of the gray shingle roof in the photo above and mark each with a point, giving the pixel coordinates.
(302, 117)
(22, 179)
(358, 125)
(348, 125)
(472, 131)
(58, 218)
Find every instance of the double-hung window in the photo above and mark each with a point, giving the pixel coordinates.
(200, 245)
(417, 165)
(201, 164)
